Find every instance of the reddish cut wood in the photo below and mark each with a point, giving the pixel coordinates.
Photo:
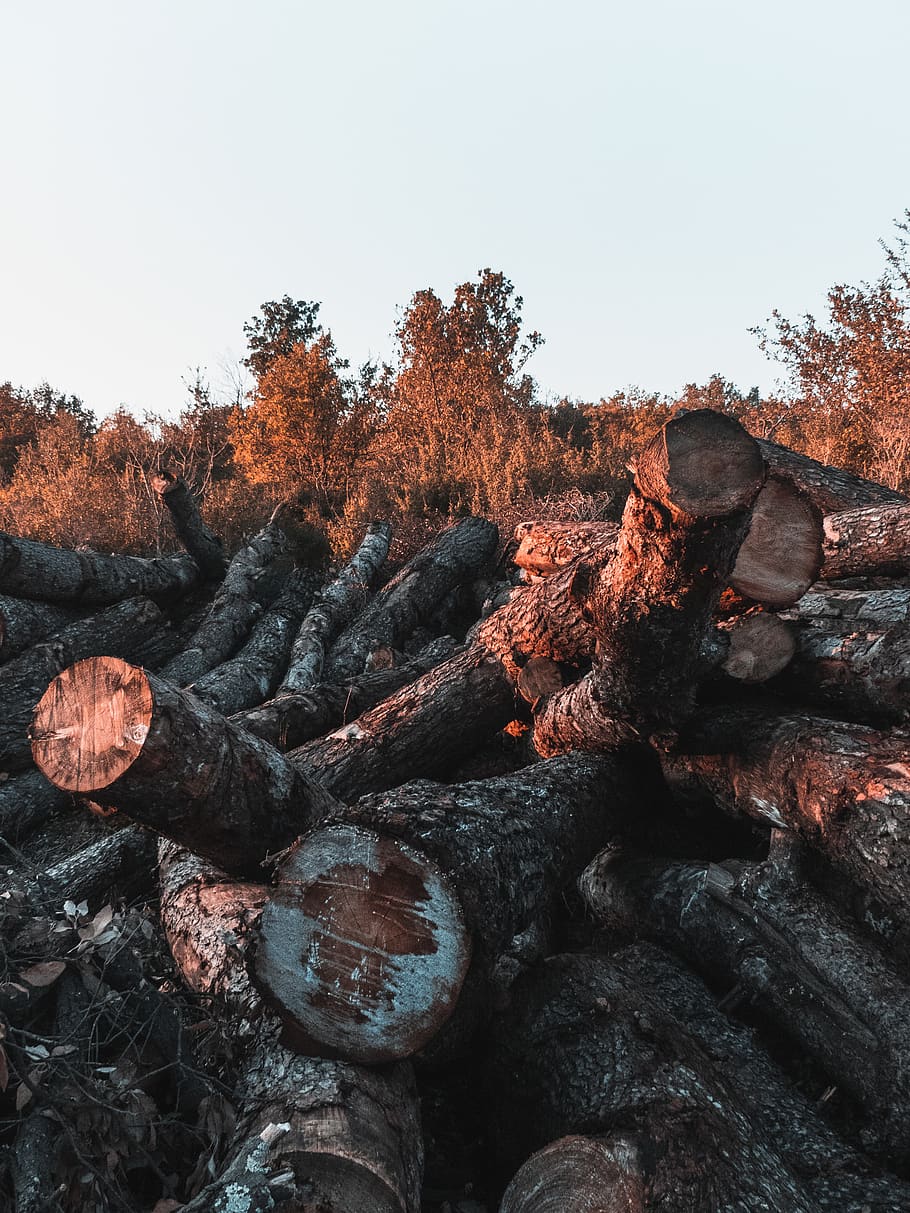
(545, 547)
(363, 946)
(580, 1175)
(781, 555)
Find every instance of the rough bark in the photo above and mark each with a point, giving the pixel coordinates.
(123, 737)
(334, 609)
(797, 960)
(292, 718)
(421, 730)
(846, 611)
(458, 554)
(843, 787)
(202, 544)
(123, 855)
(584, 1050)
(29, 569)
(237, 605)
(313, 1133)
(250, 677)
(24, 623)
(545, 547)
(26, 801)
(122, 629)
(508, 846)
(831, 489)
(868, 541)
(781, 554)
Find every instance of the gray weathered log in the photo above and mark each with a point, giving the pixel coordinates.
(24, 623)
(202, 544)
(830, 488)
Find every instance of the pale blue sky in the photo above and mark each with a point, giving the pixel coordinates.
(653, 177)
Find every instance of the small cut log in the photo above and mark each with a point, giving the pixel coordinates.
(202, 544)
(873, 540)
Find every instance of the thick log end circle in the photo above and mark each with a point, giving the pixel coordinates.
(579, 1175)
(760, 647)
(781, 555)
(363, 947)
(91, 723)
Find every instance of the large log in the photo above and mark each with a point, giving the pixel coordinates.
(374, 902)
(29, 569)
(292, 718)
(843, 787)
(874, 539)
(796, 960)
(24, 623)
(334, 608)
(584, 1050)
(26, 801)
(844, 611)
(122, 629)
(652, 605)
(237, 604)
(252, 675)
(781, 555)
(831, 488)
(202, 544)
(457, 554)
(313, 1133)
(123, 737)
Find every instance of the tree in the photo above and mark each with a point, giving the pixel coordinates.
(283, 324)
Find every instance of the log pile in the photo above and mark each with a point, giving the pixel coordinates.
(599, 902)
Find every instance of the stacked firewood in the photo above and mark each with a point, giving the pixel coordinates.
(626, 841)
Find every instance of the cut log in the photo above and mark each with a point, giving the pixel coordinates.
(545, 547)
(457, 554)
(121, 856)
(781, 555)
(831, 489)
(844, 611)
(870, 541)
(843, 787)
(290, 719)
(27, 800)
(584, 1050)
(334, 608)
(237, 604)
(652, 605)
(29, 569)
(121, 629)
(359, 899)
(202, 544)
(253, 674)
(424, 728)
(123, 737)
(24, 623)
(314, 1134)
(797, 961)
(580, 1174)
(759, 646)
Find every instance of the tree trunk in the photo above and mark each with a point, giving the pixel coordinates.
(545, 547)
(202, 544)
(797, 961)
(121, 629)
(253, 674)
(120, 856)
(126, 738)
(781, 554)
(835, 610)
(843, 787)
(369, 902)
(868, 541)
(584, 1050)
(831, 489)
(29, 569)
(458, 554)
(24, 623)
(236, 605)
(313, 1133)
(292, 718)
(577, 1174)
(334, 608)
(26, 802)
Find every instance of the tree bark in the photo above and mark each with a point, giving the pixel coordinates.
(334, 608)
(546, 547)
(120, 856)
(868, 541)
(122, 629)
(24, 623)
(27, 800)
(313, 1133)
(236, 605)
(383, 971)
(781, 555)
(202, 544)
(250, 677)
(584, 1050)
(835, 610)
(831, 489)
(843, 787)
(126, 738)
(29, 569)
(458, 554)
(799, 963)
(292, 718)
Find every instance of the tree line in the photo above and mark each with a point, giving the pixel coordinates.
(453, 423)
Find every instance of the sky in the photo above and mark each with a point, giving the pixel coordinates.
(654, 178)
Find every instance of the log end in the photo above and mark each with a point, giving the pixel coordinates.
(363, 948)
(760, 646)
(579, 1175)
(781, 555)
(703, 463)
(91, 723)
